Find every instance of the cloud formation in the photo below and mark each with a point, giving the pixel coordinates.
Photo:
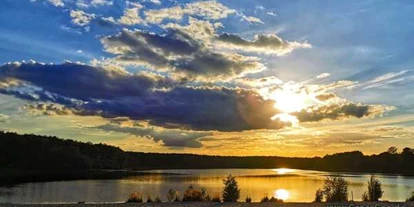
(168, 137)
(205, 9)
(338, 111)
(178, 52)
(267, 44)
(81, 18)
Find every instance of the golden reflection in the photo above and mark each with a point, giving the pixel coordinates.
(282, 171)
(282, 194)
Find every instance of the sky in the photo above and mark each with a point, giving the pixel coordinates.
(287, 77)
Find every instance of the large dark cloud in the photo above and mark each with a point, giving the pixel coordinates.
(111, 92)
(83, 82)
(177, 51)
(88, 90)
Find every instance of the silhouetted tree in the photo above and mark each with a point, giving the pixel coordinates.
(374, 190)
(392, 150)
(335, 188)
(231, 191)
(319, 195)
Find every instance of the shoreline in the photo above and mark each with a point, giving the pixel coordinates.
(229, 204)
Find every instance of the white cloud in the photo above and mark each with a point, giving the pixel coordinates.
(81, 18)
(131, 15)
(323, 75)
(252, 19)
(57, 3)
(207, 9)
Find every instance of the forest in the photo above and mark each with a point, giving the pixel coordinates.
(36, 158)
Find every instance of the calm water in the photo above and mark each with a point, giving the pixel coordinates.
(292, 185)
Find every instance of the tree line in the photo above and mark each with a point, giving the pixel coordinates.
(45, 153)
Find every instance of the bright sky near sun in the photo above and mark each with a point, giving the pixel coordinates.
(289, 78)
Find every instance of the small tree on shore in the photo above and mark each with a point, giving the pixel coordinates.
(374, 190)
(335, 188)
(173, 195)
(231, 191)
(319, 195)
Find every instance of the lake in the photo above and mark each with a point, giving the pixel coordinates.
(290, 184)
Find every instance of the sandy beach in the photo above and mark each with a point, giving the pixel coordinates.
(238, 204)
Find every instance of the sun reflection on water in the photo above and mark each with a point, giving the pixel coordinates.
(283, 171)
(282, 194)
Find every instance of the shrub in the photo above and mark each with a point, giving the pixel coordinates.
(192, 194)
(216, 199)
(365, 196)
(335, 188)
(374, 190)
(135, 198)
(149, 199)
(157, 200)
(411, 198)
(173, 195)
(231, 191)
(248, 199)
(319, 195)
(265, 199)
(273, 199)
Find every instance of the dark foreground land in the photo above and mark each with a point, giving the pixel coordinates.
(32, 158)
(210, 204)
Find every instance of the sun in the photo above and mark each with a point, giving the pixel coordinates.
(282, 194)
(289, 100)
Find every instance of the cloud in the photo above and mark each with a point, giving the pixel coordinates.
(81, 18)
(84, 82)
(206, 9)
(388, 79)
(57, 3)
(252, 19)
(131, 15)
(3, 118)
(266, 44)
(337, 111)
(178, 52)
(323, 75)
(325, 96)
(169, 137)
(112, 92)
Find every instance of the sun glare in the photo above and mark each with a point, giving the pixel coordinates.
(286, 118)
(288, 101)
(282, 194)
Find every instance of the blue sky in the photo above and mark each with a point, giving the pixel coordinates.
(194, 76)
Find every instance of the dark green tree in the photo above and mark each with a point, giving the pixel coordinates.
(374, 190)
(335, 188)
(231, 191)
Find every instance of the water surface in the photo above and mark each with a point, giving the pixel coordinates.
(289, 184)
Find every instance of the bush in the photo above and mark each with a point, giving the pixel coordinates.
(248, 199)
(157, 200)
(192, 194)
(216, 199)
(319, 195)
(264, 199)
(374, 190)
(411, 198)
(335, 188)
(273, 199)
(231, 191)
(365, 196)
(135, 198)
(149, 199)
(173, 195)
